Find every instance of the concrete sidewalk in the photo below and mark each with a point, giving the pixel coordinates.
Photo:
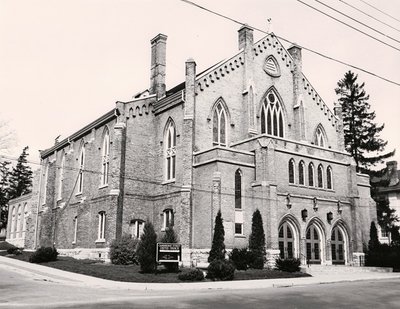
(60, 276)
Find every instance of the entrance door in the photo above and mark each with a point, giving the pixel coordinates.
(286, 241)
(337, 246)
(313, 245)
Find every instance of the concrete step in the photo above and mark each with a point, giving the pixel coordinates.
(314, 269)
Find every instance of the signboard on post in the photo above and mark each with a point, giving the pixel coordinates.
(169, 253)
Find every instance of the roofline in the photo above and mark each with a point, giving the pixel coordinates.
(99, 121)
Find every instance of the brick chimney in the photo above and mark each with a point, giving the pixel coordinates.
(392, 173)
(158, 63)
(245, 37)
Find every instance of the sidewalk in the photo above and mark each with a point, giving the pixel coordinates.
(68, 278)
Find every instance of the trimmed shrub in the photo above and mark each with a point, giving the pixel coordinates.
(218, 246)
(146, 250)
(192, 275)
(14, 250)
(257, 242)
(241, 258)
(221, 270)
(289, 265)
(43, 255)
(170, 237)
(123, 251)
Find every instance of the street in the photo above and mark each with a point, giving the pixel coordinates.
(20, 288)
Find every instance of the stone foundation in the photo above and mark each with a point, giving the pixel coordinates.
(101, 254)
(271, 256)
(358, 259)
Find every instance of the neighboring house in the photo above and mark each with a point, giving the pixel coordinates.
(249, 132)
(388, 187)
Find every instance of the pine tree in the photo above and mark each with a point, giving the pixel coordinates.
(21, 176)
(146, 251)
(218, 246)
(4, 192)
(361, 134)
(386, 216)
(373, 243)
(257, 241)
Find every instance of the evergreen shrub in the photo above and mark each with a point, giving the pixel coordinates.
(192, 275)
(218, 246)
(170, 237)
(257, 242)
(123, 251)
(14, 250)
(43, 255)
(146, 250)
(241, 258)
(289, 265)
(221, 270)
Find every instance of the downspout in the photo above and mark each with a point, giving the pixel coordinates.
(37, 208)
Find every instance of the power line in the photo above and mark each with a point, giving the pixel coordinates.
(346, 24)
(380, 10)
(374, 18)
(361, 23)
(290, 42)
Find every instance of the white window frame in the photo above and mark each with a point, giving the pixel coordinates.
(75, 222)
(61, 178)
(81, 168)
(168, 219)
(275, 109)
(101, 227)
(292, 164)
(219, 114)
(137, 227)
(329, 174)
(170, 152)
(105, 160)
(320, 138)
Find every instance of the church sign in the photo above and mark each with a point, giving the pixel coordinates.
(169, 252)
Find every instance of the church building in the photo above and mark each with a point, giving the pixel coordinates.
(248, 133)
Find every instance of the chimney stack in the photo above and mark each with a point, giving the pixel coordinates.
(158, 63)
(245, 37)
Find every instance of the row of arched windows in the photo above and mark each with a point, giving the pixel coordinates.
(321, 178)
(272, 121)
(18, 221)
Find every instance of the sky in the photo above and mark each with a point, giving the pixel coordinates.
(63, 64)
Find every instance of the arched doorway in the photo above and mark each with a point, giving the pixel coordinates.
(286, 241)
(337, 246)
(313, 245)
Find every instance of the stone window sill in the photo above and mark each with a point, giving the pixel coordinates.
(240, 236)
(100, 241)
(166, 182)
(103, 186)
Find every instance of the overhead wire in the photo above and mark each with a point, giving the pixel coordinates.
(290, 42)
(350, 26)
(380, 10)
(357, 21)
(370, 16)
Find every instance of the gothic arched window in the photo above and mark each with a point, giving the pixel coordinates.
(272, 116)
(105, 158)
(329, 178)
(301, 173)
(219, 125)
(320, 173)
(320, 139)
(291, 171)
(311, 175)
(81, 168)
(170, 150)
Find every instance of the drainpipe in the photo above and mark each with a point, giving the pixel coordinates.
(37, 208)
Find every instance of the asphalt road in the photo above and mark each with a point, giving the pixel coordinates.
(20, 289)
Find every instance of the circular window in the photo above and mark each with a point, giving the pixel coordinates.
(271, 97)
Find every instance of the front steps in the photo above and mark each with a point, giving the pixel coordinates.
(335, 269)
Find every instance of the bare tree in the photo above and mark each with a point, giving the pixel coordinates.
(7, 137)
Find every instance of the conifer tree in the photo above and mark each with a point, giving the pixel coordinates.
(21, 176)
(257, 241)
(146, 251)
(373, 243)
(361, 134)
(4, 192)
(218, 246)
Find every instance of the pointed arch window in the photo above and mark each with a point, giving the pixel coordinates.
(311, 175)
(238, 203)
(272, 121)
(219, 125)
(13, 223)
(302, 180)
(170, 151)
(168, 219)
(101, 226)
(137, 227)
(75, 223)
(105, 159)
(329, 178)
(61, 177)
(291, 171)
(81, 168)
(320, 173)
(320, 137)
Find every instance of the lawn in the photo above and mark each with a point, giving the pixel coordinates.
(131, 273)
